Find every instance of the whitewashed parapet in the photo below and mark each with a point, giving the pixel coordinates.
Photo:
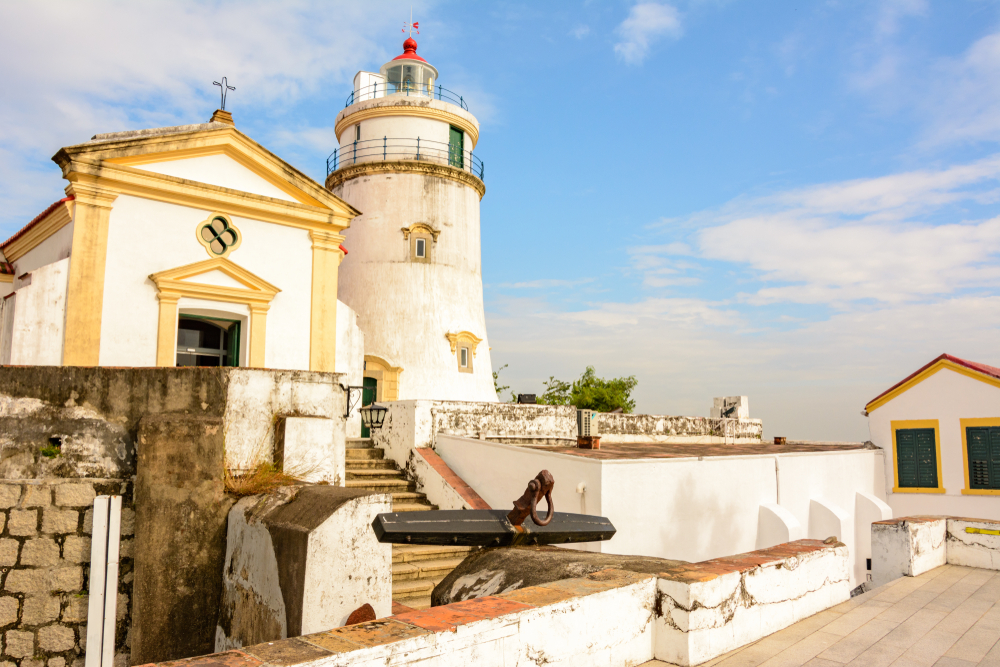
(706, 609)
(689, 614)
(617, 427)
(911, 545)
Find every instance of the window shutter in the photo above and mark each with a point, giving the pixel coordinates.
(916, 458)
(926, 459)
(994, 436)
(984, 457)
(906, 463)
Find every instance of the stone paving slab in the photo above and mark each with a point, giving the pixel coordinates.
(948, 617)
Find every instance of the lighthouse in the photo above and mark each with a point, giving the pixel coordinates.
(406, 159)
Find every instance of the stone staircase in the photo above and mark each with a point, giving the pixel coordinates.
(416, 569)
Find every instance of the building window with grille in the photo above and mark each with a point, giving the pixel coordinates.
(917, 453)
(219, 236)
(982, 445)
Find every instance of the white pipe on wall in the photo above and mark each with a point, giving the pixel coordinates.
(103, 603)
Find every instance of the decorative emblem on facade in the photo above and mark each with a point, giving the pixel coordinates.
(219, 236)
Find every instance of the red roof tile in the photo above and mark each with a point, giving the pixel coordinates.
(38, 218)
(992, 371)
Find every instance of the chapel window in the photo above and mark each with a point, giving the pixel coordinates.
(219, 236)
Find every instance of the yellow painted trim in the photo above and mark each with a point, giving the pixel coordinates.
(916, 423)
(981, 531)
(412, 110)
(87, 263)
(463, 337)
(172, 284)
(207, 246)
(928, 372)
(420, 227)
(43, 229)
(326, 258)
(964, 424)
(386, 374)
(6, 278)
(419, 167)
(139, 150)
(172, 190)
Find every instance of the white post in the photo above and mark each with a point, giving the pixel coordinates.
(103, 603)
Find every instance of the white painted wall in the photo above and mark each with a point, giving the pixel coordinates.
(147, 237)
(52, 249)
(219, 170)
(40, 317)
(948, 397)
(687, 508)
(350, 361)
(7, 307)
(347, 566)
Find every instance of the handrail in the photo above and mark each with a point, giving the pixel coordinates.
(389, 148)
(377, 90)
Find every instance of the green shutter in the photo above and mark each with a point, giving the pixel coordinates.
(984, 456)
(916, 458)
(368, 394)
(456, 147)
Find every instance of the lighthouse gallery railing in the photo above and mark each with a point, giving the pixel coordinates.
(377, 90)
(389, 148)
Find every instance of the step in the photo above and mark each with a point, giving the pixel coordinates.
(411, 553)
(429, 569)
(360, 454)
(418, 603)
(380, 485)
(374, 472)
(354, 465)
(403, 590)
(365, 476)
(361, 464)
(412, 507)
(360, 443)
(411, 496)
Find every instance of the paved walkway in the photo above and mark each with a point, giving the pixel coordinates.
(948, 617)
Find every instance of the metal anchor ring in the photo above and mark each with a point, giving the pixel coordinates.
(527, 505)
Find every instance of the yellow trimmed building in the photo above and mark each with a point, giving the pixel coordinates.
(180, 246)
(940, 430)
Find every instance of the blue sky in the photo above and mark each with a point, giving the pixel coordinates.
(796, 201)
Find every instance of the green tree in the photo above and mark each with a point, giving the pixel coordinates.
(591, 392)
(557, 392)
(496, 381)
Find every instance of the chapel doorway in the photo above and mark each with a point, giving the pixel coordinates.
(207, 341)
(368, 394)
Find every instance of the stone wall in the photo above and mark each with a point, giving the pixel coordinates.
(44, 565)
(612, 427)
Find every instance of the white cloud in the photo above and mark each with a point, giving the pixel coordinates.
(580, 31)
(83, 68)
(852, 241)
(546, 283)
(646, 22)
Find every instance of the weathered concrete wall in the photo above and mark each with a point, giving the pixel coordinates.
(301, 560)
(974, 543)
(40, 315)
(614, 427)
(45, 555)
(180, 545)
(93, 415)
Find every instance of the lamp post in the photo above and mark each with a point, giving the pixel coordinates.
(373, 415)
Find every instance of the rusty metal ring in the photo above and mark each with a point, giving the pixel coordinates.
(534, 512)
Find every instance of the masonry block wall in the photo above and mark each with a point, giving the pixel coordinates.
(45, 570)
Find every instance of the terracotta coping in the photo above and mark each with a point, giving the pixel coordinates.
(468, 494)
(716, 567)
(925, 518)
(447, 618)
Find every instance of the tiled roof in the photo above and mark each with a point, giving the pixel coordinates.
(992, 371)
(38, 218)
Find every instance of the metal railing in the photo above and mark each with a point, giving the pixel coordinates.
(377, 90)
(388, 148)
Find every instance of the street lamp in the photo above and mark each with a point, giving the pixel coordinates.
(373, 415)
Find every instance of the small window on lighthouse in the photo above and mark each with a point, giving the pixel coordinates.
(421, 248)
(464, 352)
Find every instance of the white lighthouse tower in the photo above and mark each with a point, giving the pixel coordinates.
(413, 272)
